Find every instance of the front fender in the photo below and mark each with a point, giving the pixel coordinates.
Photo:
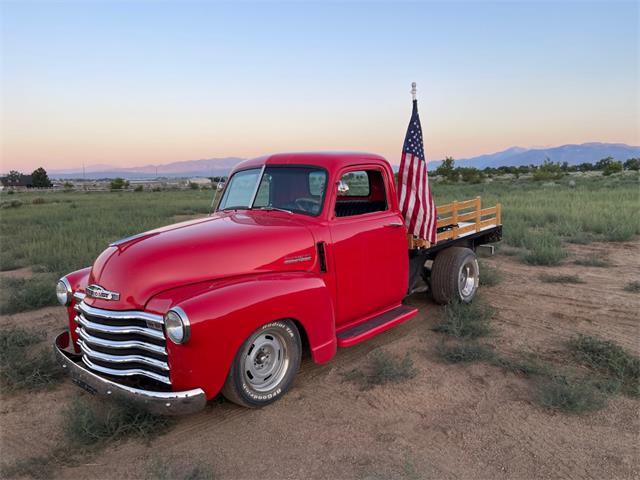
(223, 317)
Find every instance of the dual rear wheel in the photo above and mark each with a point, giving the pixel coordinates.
(455, 275)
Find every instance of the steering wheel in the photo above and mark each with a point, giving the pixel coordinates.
(307, 204)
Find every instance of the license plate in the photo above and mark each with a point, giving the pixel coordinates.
(84, 386)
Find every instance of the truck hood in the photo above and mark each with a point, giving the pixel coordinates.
(222, 246)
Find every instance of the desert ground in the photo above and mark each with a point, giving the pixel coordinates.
(458, 421)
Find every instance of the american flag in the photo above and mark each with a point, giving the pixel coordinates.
(416, 202)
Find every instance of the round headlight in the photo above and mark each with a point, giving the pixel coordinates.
(63, 292)
(176, 324)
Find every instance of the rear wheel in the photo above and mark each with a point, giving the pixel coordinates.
(265, 365)
(455, 275)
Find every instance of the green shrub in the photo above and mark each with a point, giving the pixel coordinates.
(620, 233)
(11, 204)
(119, 184)
(545, 255)
(21, 368)
(524, 365)
(561, 278)
(470, 174)
(633, 287)
(570, 395)
(611, 168)
(466, 320)
(543, 247)
(489, 276)
(9, 263)
(592, 261)
(38, 201)
(22, 294)
(609, 358)
(383, 368)
(138, 188)
(85, 425)
(548, 171)
(580, 238)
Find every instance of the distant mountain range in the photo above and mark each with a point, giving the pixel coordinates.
(572, 154)
(514, 156)
(207, 167)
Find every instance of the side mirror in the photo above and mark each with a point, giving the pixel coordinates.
(220, 186)
(343, 188)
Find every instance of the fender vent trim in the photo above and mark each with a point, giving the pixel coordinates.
(322, 258)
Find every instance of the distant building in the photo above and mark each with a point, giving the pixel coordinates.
(21, 182)
(200, 181)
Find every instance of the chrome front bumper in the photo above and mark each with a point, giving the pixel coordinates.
(161, 403)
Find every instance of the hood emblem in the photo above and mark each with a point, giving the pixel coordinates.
(96, 291)
(299, 258)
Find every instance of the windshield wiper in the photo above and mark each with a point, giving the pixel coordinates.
(271, 209)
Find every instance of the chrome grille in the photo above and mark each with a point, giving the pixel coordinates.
(122, 343)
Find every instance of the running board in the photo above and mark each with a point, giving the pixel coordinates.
(375, 325)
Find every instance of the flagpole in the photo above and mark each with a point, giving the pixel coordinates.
(413, 91)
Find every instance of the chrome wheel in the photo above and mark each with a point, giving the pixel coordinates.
(468, 278)
(266, 360)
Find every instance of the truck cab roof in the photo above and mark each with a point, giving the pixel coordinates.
(331, 161)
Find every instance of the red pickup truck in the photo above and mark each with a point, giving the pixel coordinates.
(304, 252)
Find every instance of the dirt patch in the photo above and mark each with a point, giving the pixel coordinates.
(24, 272)
(450, 421)
(540, 317)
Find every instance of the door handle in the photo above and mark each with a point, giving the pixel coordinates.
(394, 225)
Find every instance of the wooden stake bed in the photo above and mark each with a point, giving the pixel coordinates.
(460, 219)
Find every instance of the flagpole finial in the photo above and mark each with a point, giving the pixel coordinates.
(413, 90)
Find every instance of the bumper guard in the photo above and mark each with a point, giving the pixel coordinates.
(160, 403)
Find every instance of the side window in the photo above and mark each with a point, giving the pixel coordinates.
(361, 192)
(358, 183)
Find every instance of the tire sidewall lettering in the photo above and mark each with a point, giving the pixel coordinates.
(277, 391)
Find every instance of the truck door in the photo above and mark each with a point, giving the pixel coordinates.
(369, 246)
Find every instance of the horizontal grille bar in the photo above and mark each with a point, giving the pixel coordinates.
(111, 329)
(125, 373)
(123, 344)
(106, 357)
(121, 314)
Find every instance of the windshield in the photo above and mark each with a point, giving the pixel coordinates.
(288, 188)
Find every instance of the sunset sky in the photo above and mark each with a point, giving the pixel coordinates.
(135, 83)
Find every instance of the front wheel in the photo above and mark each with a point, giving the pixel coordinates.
(455, 275)
(265, 365)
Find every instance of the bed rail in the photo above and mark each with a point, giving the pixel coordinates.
(457, 219)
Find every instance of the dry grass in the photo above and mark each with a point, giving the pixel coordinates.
(25, 363)
(561, 278)
(610, 360)
(592, 261)
(570, 395)
(382, 368)
(87, 425)
(466, 320)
